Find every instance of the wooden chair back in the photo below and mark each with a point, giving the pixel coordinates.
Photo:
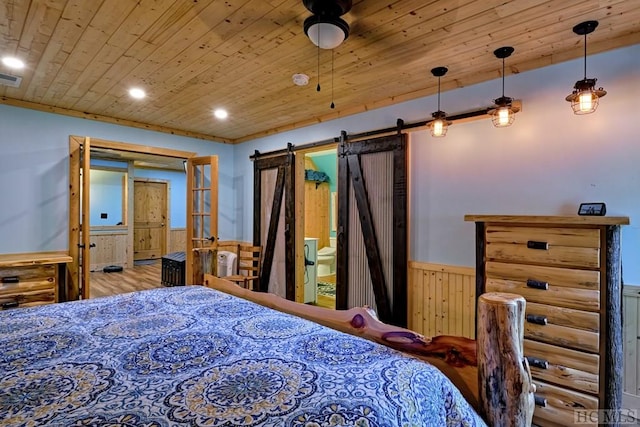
(248, 264)
(249, 260)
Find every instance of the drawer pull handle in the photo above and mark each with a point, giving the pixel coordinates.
(537, 284)
(538, 320)
(11, 279)
(540, 401)
(533, 244)
(10, 304)
(537, 362)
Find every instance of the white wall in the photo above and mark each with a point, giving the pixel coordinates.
(546, 163)
(34, 174)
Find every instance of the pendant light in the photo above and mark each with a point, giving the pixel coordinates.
(439, 124)
(584, 98)
(503, 114)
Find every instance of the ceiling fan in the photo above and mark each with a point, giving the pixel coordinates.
(325, 28)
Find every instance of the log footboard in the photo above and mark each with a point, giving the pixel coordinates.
(491, 372)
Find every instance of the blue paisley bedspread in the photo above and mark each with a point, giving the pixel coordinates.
(198, 357)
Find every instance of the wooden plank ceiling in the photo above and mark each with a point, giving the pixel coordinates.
(192, 56)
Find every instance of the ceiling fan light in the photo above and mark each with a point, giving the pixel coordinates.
(326, 32)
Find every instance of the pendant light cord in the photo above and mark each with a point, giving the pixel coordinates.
(318, 87)
(585, 56)
(503, 77)
(332, 104)
(438, 93)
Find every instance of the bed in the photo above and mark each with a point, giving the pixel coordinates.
(197, 356)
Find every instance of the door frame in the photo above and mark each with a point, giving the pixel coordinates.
(300, 205)
(75, 289)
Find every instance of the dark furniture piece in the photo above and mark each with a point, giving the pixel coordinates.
(173, 271)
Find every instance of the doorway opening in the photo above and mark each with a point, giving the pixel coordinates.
(320, 219)
(110, 237)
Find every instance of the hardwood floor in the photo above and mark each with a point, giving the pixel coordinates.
(148, 276)
(325, 300)
(145, 276)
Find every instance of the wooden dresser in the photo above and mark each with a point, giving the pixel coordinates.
(30, 279)
(568, 268)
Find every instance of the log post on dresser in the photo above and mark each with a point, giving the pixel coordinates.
(568, 269)
(613, 320)
(509, 401)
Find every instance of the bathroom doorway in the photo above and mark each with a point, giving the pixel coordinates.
(320, 219)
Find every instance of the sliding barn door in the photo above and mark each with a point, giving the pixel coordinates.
(202, 218)
(273, 222)
(371, 265)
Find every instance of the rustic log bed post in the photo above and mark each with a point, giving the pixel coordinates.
(455, 356)
(506, 399)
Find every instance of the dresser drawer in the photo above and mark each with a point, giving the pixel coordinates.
(579, 289)
(27, 273)
(562, 366)
(557, 406)
(557, 331)
(25, 286)
(577, 247)
(28, 298)
(554, 276)
(560, 326)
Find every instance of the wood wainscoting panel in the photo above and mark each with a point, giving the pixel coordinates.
(442, 299)
(631, 343)
(110, 249)
(177, 240)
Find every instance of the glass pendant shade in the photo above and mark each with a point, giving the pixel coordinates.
(584, 98)
(503, 115)
(440, 125)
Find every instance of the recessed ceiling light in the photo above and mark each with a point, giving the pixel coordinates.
(13, 62)
(221, 113)
(137, 93)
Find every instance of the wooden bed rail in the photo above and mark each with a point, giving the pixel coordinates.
(495, 381)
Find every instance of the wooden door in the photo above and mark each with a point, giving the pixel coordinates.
(202, 218)
(274, 223)
(371, 253)
(150, 217)
(316, 212)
